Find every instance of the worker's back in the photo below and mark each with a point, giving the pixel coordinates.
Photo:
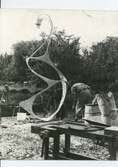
(81, 94)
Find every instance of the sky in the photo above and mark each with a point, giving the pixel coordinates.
(90, 26)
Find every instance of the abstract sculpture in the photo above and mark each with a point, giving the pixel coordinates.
(45, 58)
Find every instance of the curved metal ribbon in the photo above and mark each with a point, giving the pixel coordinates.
(28, 104)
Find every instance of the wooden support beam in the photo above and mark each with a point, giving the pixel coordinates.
(46, 148)
(56, 145)
(113, 149)
(67, 143)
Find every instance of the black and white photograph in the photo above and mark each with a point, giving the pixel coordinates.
(58, 84)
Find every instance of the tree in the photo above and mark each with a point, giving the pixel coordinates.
(63, 50)
(102, 63)
(21, 51)
(5, 60)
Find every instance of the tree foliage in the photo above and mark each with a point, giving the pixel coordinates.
(97, 66)
(5, 60)
(63, 50)
(102, 63)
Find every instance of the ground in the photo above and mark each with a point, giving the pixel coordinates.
(18, 143)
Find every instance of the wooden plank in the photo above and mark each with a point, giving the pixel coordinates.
(113, 130)
(86, 124)
(36, 128)
(80, 133)
(79, 157)
(40, 124)
(73, 156)
(102, 120)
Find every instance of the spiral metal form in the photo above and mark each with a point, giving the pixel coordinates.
(28, 104)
